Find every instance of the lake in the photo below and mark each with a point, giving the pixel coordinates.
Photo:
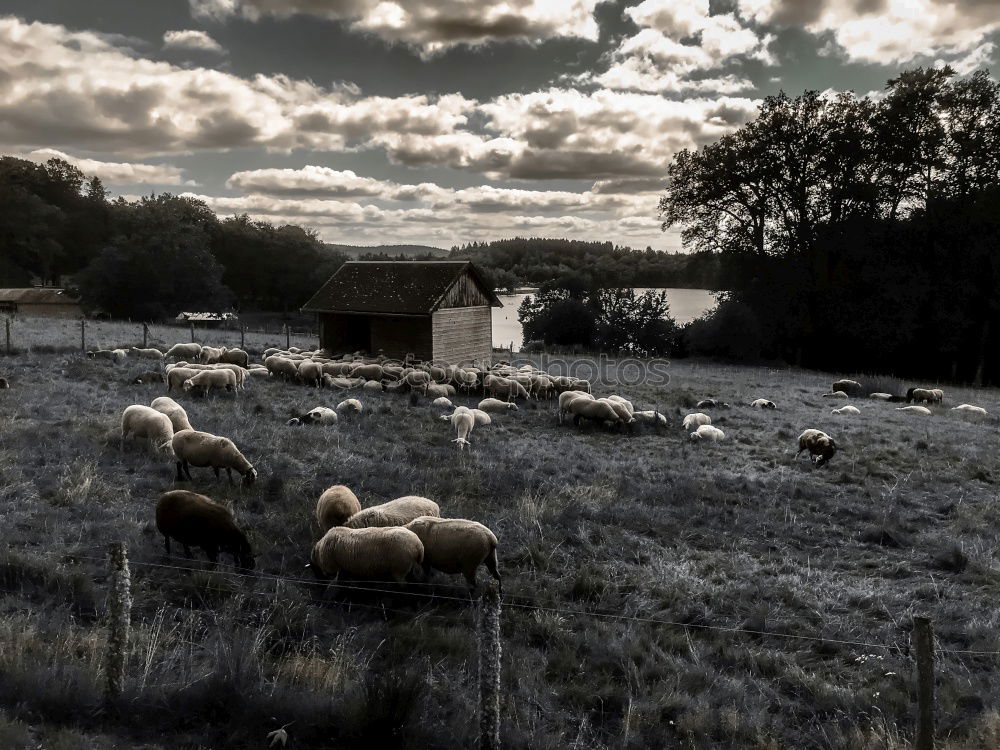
(685, 306)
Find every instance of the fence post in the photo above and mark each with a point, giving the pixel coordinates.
(192, 331)
(145, 335)
(83, 335)
(120, 617)
(923, 641)
(489, 669)
(8, 336)
(243, 336)
(288, 340)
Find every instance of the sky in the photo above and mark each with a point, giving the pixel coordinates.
(438, 122)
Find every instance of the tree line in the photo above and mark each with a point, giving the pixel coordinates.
(152, 257)
(855, 233)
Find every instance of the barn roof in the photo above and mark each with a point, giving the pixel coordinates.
(394, 287)
(46, 295)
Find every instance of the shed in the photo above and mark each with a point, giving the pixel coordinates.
(42, 301)
(436, 310)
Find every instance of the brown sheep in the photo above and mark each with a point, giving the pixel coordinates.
(194, 448)
(454, 545)
(819, 444)
(379, 552)
(398, 512)
(335, 506)
(198, 521)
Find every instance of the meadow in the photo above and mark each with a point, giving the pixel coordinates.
(657, 592)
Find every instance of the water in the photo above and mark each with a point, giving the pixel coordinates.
(685, 306)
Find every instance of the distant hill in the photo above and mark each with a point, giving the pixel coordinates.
(392, 251)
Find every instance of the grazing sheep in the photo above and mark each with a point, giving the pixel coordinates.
(694, 419)
(496, 405)
(4, 384)
(310, 373)
(439, 389)
(350, 404)
(148, 377)
(372, 386)
(102, 354)
(119, 355)
(566, 397)
(846, 410)
(335, 506)
(651, 417)
(835, 394)
(706, 403)
(463, 422)
(970, 409)
(145, 353)
(878, 395)
(505, 387)
(928, 395)
(177, 375)
(915, 410)
(454, 545)
(442, 403)
(417, 380)
(187, 352)
(850, 387)
(241, 373)
(209, 379)
(938, 394)
(708, 432)
(210, 354)
(198, 521)
(624, 402)
(623, 412)
(763, 403)
(144, 422)
(194, 448)
(392, 552)
(481, 417)
(174, 411)
(342, 383)
(368, 372)
(235, 356)
(595, 410)
(281, 367)
(820, 446)
(398, 512)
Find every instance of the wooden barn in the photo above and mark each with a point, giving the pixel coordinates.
(436, 310)
(40, 301)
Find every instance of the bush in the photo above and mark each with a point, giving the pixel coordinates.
(731, 331)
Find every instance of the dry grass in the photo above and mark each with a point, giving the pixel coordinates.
(733, 535)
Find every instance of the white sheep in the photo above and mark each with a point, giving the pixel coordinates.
(322, 415)
(624, 402)
(145, 353)
(695, 419)
(566, 397)
(194, 448)
(335, 506)
(496, 405)
(210, 355)
(620, 409)
(398, 512)
(463, 422)
(481, 417)
(310, 373)
(915, 410)
(442, 402)
(455, 545)
(174, 411)
(372, 386)
(835, 394)
(368, 553)
(209, 379)
(652, 417)
(879, 396)
(708, 432)
(145, 422)
(177, 375)
(970, 409)
(350, 404)
(763, 403)
(187, 352)
(846, 410)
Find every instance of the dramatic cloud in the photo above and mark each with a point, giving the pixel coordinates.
(116, 173)
(432, 25)
(888, 31)
(77, 89)
(191, 39)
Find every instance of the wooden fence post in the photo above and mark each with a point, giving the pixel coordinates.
(192, 331)
(923, 642)
(8, 336)
(83, 335)
(489, 669)
(243, 336)
(288, 339)
(119, 624)
(145, 335)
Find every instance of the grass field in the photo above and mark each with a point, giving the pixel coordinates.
(604, 539)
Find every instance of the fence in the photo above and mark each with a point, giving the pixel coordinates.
(47, 335)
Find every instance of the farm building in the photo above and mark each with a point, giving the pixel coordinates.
(437, 310)
(42, 302)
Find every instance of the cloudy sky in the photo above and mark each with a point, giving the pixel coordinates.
(437, 121)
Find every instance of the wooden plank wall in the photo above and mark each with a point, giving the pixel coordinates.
(463, 334)
(464, 293)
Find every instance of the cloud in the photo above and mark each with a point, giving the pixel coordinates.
(191, 39)
(116, 173)
(887, 32)
(60, 87)
(431, 25)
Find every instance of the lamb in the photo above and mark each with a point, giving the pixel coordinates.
(392, 552)
(846, 410)
(197, 521)
(708, 432)
(350, 404)
(398, 512)
(442, 403)
(915, 410)
(496, 405)
(148, 377)
(209, 379)
(463, 422)
(970, 409)
(235, 356)
(145, 353)
(335, 506)
(184, 351)
(454, 545)
(763, 403)
(694, 419)
(144, 422)
(194, 448)
(651, 417)
(820, 446)
(850, 387)
(210, 355)
(880, 396)
(835, 394)
(174, 411)
(310, 373)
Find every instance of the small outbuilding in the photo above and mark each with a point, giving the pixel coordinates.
(435, 310)
(41, 302)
